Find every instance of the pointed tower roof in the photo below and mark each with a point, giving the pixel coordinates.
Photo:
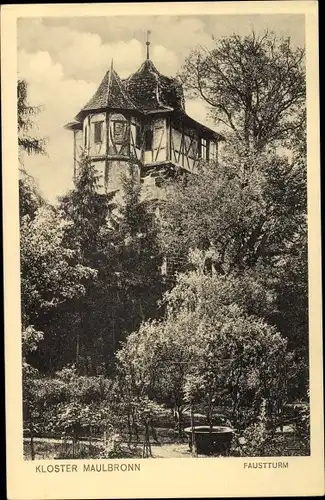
(110, 94)
(152, 91)
(145, 91)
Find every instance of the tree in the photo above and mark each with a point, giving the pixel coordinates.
(247, 218)
(141, 379)
(25, 113)
(208, 351)
(30, 198)
(254, 86)
(50, 277)
(119, 240)
(252, 208)
(88, 214)
(254, 226)
(66, 404)
(291, 288)
(240, 359)
(82, 411)
(87, 210)
(139, 257)
(153, 362)
(31, 410)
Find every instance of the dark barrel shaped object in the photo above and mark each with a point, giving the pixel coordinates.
(214, 440)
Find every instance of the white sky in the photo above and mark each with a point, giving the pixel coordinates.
(65, 59)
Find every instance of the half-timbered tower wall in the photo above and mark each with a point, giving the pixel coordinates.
(77, 148)
(141, 122)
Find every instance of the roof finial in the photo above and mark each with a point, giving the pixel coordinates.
(112, 64)
(148, 43)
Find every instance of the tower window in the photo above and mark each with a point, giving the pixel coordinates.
(98, 129)
(207, 151)
(203, 149)
(148, 139)
(138, 136)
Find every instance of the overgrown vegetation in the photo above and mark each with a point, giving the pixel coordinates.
(110, 352)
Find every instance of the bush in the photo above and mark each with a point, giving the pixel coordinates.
(258, 440)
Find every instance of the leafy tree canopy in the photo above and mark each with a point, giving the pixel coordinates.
(25, 114)
(30, 198)
(254, 86)
(49, 275)
(208, 350)
(249, 217)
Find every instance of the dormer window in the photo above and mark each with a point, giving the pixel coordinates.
(203, 149)
(98, 132)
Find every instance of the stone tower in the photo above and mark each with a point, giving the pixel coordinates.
(140, 121)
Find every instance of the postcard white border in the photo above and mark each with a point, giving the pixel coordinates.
(161, 477)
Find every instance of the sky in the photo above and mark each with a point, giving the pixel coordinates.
(64, 60)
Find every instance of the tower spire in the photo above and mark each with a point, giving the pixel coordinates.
(148, 43)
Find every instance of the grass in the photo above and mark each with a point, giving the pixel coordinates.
(43, 450)
(168, 447)
(47, 450)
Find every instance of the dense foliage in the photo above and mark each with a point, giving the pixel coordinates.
(254, 86)
(118, 240)
(25, 114)
(209, 350)
(112, 347)
(253, 226)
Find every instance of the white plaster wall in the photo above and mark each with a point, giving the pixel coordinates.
(159, 140)
(100, 168)
(134, 150)
(116, 171)
(78, 146)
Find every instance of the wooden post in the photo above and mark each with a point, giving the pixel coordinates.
(31, 430)
(193, 439)
(32, 449)
(168, 142)
(89, 135)
(146, 450)
(169, 139)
